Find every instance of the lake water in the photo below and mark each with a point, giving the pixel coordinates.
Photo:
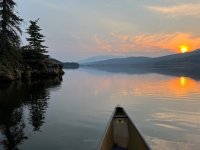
(72, 114)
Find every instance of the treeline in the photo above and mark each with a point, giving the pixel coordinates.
(10, 32)
(15, 58)
(71, 65)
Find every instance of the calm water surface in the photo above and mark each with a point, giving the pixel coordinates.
(72, 114)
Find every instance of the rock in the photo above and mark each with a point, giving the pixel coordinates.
(46, 68)
(7, 74)
(55, 67)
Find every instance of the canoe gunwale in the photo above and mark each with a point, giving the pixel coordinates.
(140, 133)
(107, 126)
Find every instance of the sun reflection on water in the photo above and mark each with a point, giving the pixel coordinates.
(184, 86)
(131, 86)
(183, 81)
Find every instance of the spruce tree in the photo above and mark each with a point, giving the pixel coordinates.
(9, 26)
(36, 40)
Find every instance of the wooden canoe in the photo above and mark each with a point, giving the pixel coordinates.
(122, 134)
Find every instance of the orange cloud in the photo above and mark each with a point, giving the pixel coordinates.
(148, 43)
(103, 44)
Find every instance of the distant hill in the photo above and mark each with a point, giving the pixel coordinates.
(187, 64)
(186, 60)
(119, 61)
(97, 58)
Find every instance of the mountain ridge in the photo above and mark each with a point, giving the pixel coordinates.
(97, 58)
(173, 60)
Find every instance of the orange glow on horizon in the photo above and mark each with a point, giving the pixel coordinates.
(184, 49)
(122, 43)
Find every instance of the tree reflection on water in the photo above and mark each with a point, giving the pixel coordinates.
(15, 96)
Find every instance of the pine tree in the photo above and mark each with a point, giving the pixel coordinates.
(36, 40)
(9, 26)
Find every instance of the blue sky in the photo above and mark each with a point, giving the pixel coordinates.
(79, 29)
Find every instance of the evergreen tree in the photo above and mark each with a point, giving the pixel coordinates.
(36, 40)
(9, 26)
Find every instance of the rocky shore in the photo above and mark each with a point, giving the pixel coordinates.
(11, 71)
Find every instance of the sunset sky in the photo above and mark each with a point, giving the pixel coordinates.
(77, 29)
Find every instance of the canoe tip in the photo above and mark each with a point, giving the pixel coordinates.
(118, 107)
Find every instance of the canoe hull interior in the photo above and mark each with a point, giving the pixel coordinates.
(122, 134)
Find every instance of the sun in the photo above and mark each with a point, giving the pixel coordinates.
(184, 48)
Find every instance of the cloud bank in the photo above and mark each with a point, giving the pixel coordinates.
(148, 43)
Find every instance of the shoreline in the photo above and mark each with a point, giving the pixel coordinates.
(21, 71)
